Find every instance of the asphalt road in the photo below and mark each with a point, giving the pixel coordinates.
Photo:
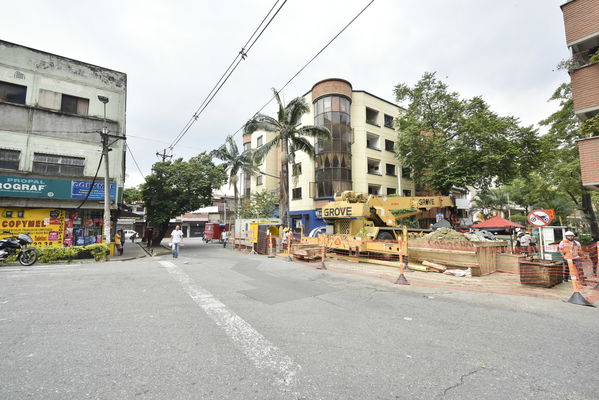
(216, 324)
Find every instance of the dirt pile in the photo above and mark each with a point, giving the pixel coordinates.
(449, 235)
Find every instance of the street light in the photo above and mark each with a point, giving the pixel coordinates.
(104, 134)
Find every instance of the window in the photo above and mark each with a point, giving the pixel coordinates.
(296, 194)
(373, 141)
(391, 191)
(248, 192)
(259, 180)
(389, 145)
(372, 116)
(50, 164)
(259, 141)
(247, 146)
(297, 169)
(407, 193)
(406, 173)
(74, 105)
(9, 159)
(374, 189)
(374, 167)
(388, 121)
(12, 93)
(390, 169)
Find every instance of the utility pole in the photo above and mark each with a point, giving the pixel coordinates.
(163, 155)
(104, 100)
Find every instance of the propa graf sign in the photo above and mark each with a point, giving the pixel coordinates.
(541, 217)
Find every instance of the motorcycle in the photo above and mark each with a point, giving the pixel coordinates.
(18, 245)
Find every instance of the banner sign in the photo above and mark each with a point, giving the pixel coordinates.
(45, 225)
(18, 186)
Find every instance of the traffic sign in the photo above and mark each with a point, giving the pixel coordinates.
(539, 218)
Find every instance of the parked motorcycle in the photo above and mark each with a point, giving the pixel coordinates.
(18, 245)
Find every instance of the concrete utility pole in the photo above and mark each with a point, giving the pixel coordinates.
(104, 100)
(163, 155)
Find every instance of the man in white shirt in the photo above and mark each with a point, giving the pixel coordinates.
(224, 236)
(176, 240)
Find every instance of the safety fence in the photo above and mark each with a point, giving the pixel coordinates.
(487, 266)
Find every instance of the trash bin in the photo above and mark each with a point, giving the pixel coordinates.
(111, 247)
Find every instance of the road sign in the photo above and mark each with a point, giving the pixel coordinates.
(539, 218)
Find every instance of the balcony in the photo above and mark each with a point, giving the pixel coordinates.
(585, 88)
(581, 19)
(589, 162)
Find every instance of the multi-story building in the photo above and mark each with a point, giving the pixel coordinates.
(50, 123)
(360, 157)
(581, 21)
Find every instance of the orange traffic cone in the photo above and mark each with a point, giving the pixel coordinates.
(576, 298)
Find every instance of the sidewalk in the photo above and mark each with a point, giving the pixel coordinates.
(131, 251)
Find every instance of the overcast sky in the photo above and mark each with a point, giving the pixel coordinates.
(173, 52)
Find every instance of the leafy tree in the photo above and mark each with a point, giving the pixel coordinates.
(177, 187)
(291, 136)
(131, 195)
(261, 204)
(235, 162)
(491, 202)
(561, 163)
(448, 141)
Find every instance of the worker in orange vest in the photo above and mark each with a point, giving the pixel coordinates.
(576, 253)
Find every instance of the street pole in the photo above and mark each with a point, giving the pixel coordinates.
(104, 100)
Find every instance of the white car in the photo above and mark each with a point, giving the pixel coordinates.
(128, 233)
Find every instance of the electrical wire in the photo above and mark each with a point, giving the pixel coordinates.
(134, 160)
(227, 74)
(93, 183)
(306, 65)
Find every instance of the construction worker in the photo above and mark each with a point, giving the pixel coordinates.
(575, 252)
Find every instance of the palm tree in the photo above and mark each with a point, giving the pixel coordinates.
(290, 136)
(492, 201)
(235, 162)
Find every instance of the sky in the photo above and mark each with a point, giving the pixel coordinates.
(173, 53)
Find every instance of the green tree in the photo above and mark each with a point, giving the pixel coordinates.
(491, 201)
(448, 141)
(177, 187)
(291, 136)
(260, 205)
(235, 162)
(131, 195)
(561, 161)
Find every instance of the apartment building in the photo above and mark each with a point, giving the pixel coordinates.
(581, 21)
(360, 157)
(50, 124)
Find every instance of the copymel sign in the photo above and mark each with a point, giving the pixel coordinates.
(16, 186)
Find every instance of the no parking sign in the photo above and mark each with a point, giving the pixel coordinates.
(541, 217)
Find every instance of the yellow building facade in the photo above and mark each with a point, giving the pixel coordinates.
(361, 156)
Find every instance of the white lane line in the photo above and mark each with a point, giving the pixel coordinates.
(256, 347)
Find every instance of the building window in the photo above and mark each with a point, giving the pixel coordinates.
(9, 159)
(296, 194)
(247, 146)
(388, 121)
(372, 116)
(406, 173)
(259, 180)
(12, 93)
(390, 169)
(50, 164)
(374, 189)
(373, 141)
(297, 169)
(259, 141)
(248, 192)
(407, 193)
(374, 167)
(74, 105)
(391, 191)
(389, 145)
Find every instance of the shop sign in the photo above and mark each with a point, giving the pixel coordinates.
(44, 225)
(18, 186)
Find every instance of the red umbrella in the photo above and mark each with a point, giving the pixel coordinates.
(497, 223)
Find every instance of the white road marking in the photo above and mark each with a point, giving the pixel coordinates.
(254, 345)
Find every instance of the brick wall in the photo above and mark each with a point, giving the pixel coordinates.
(581, 19)
(585, 86)
(331, 86)
(589, 160)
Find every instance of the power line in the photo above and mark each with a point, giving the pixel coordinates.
(135, 161)
(306, 65)
(228, 72)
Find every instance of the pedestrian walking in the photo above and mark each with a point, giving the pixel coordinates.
(224, 235)
(575, 253)
(118, 242)
(176, 240)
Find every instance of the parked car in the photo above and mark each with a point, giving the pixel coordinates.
(130, 233)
